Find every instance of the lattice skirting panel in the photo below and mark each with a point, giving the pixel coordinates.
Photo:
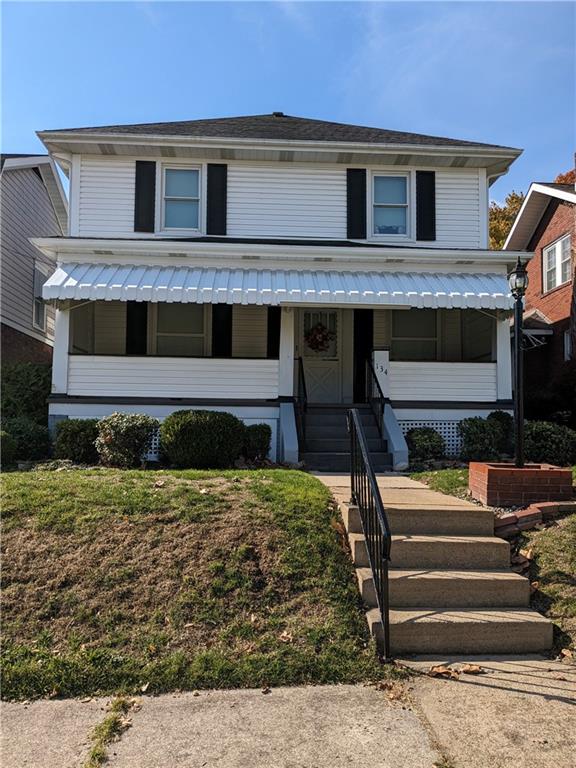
(448, 430)
(153, 453)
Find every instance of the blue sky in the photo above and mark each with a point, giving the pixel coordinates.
(486, 71)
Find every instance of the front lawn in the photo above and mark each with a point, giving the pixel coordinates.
(120, 581)
(451, 481)
(553, 568)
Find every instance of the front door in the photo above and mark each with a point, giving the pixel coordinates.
(320, 347)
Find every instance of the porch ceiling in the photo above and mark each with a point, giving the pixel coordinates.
(113, 282)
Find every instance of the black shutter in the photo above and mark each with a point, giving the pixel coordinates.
(221, 330)
(425, 205)
(356, 203)
(273, 338)
(145, 198)
(216, 199)
(136, 327)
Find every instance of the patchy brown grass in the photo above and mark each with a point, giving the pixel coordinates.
(114, 580)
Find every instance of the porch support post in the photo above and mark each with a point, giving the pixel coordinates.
(60, 353)
(286, 355)
(503, 358)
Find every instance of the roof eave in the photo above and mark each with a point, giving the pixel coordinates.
(518, 241)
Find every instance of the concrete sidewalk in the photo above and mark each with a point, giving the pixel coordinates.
(306, 727)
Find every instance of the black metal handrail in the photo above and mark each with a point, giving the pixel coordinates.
(301, 402)
(366, 495)
(375, 396)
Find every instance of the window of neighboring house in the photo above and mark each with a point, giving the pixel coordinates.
(567, 346)
(557, 264)
(180, 330)
(39, 311)
(181, 203)
(414, 334)
(390, 205)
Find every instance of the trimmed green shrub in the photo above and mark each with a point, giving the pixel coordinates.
(425, 443)
(76, 440)
(480, 439)
(202, 439)
(25, 390)
(7, 449)
(257, 439)
(32, 440)
(123, 438)
(549, 443)
(506, 423)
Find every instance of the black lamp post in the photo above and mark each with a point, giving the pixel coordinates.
(518, 281)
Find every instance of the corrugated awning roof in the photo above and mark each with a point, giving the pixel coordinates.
(203, 285)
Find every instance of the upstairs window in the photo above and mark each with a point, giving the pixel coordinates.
(390, 205)
(181, 193)
(557, 264)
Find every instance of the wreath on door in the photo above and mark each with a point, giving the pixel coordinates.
(318, 338)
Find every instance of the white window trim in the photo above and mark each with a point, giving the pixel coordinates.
(411, 206)
(153, 332)
(43, 269)
(160, 185)
(557, 247)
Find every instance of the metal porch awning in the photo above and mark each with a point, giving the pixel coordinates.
(274, 287)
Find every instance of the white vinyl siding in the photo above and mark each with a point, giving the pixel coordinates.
(249, 331)
(279, 201)
(458, 201)
(106, 197)
(107, 376)
(457, 382)
(26, 212)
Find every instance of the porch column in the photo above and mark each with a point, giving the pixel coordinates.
(60, 353)
(503, 358)
(286, 354)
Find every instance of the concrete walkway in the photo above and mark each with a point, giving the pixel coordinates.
(307, 727)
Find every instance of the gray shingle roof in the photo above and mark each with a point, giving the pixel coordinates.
(279, 127)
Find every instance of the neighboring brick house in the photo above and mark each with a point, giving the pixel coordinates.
(546, 224)
(33, 204)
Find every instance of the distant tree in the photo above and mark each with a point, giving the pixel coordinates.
(502, 217)
(566, 178)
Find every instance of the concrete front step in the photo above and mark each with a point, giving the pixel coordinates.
(439, 552)
(448, 588)
(340, 445)
(467, 520)
(336, 419)
(337, 431)
(464, 630)
(340, 461)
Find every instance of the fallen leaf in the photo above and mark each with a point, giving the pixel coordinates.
(567, 653)
(442, 671)
(285, 637)
(266, 690)
(203, 491)
(86, 700)
(159, 483)
(472, 669)
(534, 585)
(527, 553)
(253, 618)
(144, 687)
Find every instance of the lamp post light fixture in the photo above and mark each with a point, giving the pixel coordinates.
(518, 282)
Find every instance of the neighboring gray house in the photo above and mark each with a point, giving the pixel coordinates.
(33, 204)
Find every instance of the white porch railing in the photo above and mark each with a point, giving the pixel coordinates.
(456, 382)
(117, 376)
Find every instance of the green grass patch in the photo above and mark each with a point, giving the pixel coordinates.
(108, 731)
(114, 580)
(554, 568)
(451, 481)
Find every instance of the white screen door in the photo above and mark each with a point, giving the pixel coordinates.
(320, 345)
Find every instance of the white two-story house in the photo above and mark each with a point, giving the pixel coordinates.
(235, 263)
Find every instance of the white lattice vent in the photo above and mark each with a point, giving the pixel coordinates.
(153, 453)
(448, 430)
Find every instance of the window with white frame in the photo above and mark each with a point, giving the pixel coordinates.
(180, 330)
(414, 334)
(557, 264)
(39, 310)
(390, 205)
(181, 198)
